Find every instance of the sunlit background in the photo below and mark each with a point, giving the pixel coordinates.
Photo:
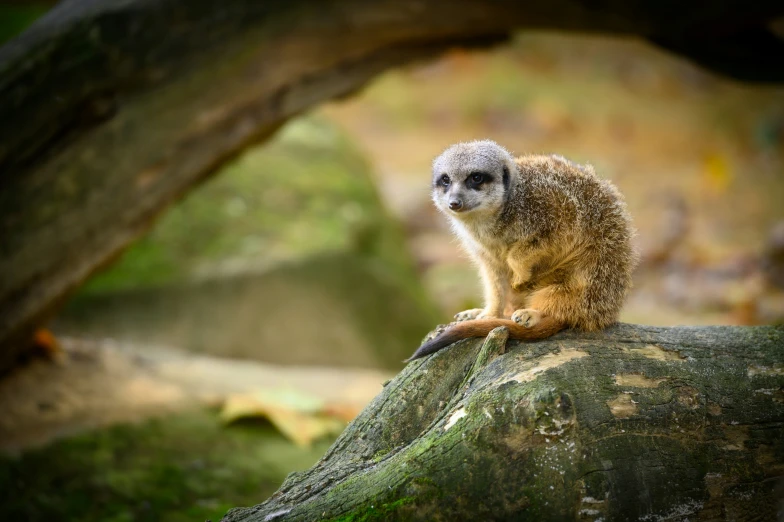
(321, 249)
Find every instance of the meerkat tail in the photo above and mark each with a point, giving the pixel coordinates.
(546, 327)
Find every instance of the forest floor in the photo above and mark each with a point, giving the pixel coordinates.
(106, 431)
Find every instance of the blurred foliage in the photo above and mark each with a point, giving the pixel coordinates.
(183, 468)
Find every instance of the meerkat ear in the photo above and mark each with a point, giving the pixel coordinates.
(506, 178)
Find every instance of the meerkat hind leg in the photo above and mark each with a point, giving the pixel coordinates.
(563, 302)
(527, 317)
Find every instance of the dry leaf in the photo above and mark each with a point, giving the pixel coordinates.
(345, 412)
(299, 417)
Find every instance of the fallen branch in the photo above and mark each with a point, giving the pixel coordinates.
(634, 423)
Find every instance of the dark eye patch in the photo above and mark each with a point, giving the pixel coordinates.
(475, 179)
(443, 181)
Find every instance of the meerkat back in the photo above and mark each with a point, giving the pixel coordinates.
(582, 222)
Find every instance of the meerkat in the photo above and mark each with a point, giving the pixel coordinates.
(552, 241)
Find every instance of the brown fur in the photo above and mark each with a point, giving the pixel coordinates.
(553, 243)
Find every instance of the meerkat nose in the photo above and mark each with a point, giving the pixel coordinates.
(455, 204)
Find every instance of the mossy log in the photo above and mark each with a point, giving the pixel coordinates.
(110, 111)
(634, 423)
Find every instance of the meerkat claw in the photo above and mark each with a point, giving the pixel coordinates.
(527, 317)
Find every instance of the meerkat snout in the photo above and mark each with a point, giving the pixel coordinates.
(455, 205)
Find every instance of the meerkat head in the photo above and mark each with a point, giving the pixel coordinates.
(472, 180)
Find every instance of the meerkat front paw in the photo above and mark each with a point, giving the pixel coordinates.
(527, 317)
(489, 315)
(468, 315)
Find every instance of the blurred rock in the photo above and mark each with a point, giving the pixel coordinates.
(288, 256)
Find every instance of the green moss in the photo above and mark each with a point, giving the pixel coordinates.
(379, 456)
(381, 512)
(182, 468)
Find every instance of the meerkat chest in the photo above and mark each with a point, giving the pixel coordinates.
(480, 242)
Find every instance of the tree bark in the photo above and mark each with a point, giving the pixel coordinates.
(110, 111)
(634, 423)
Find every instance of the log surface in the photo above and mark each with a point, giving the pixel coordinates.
(634, 423)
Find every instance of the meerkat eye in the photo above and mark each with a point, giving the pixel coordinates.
(444, 180)
(477, 177)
